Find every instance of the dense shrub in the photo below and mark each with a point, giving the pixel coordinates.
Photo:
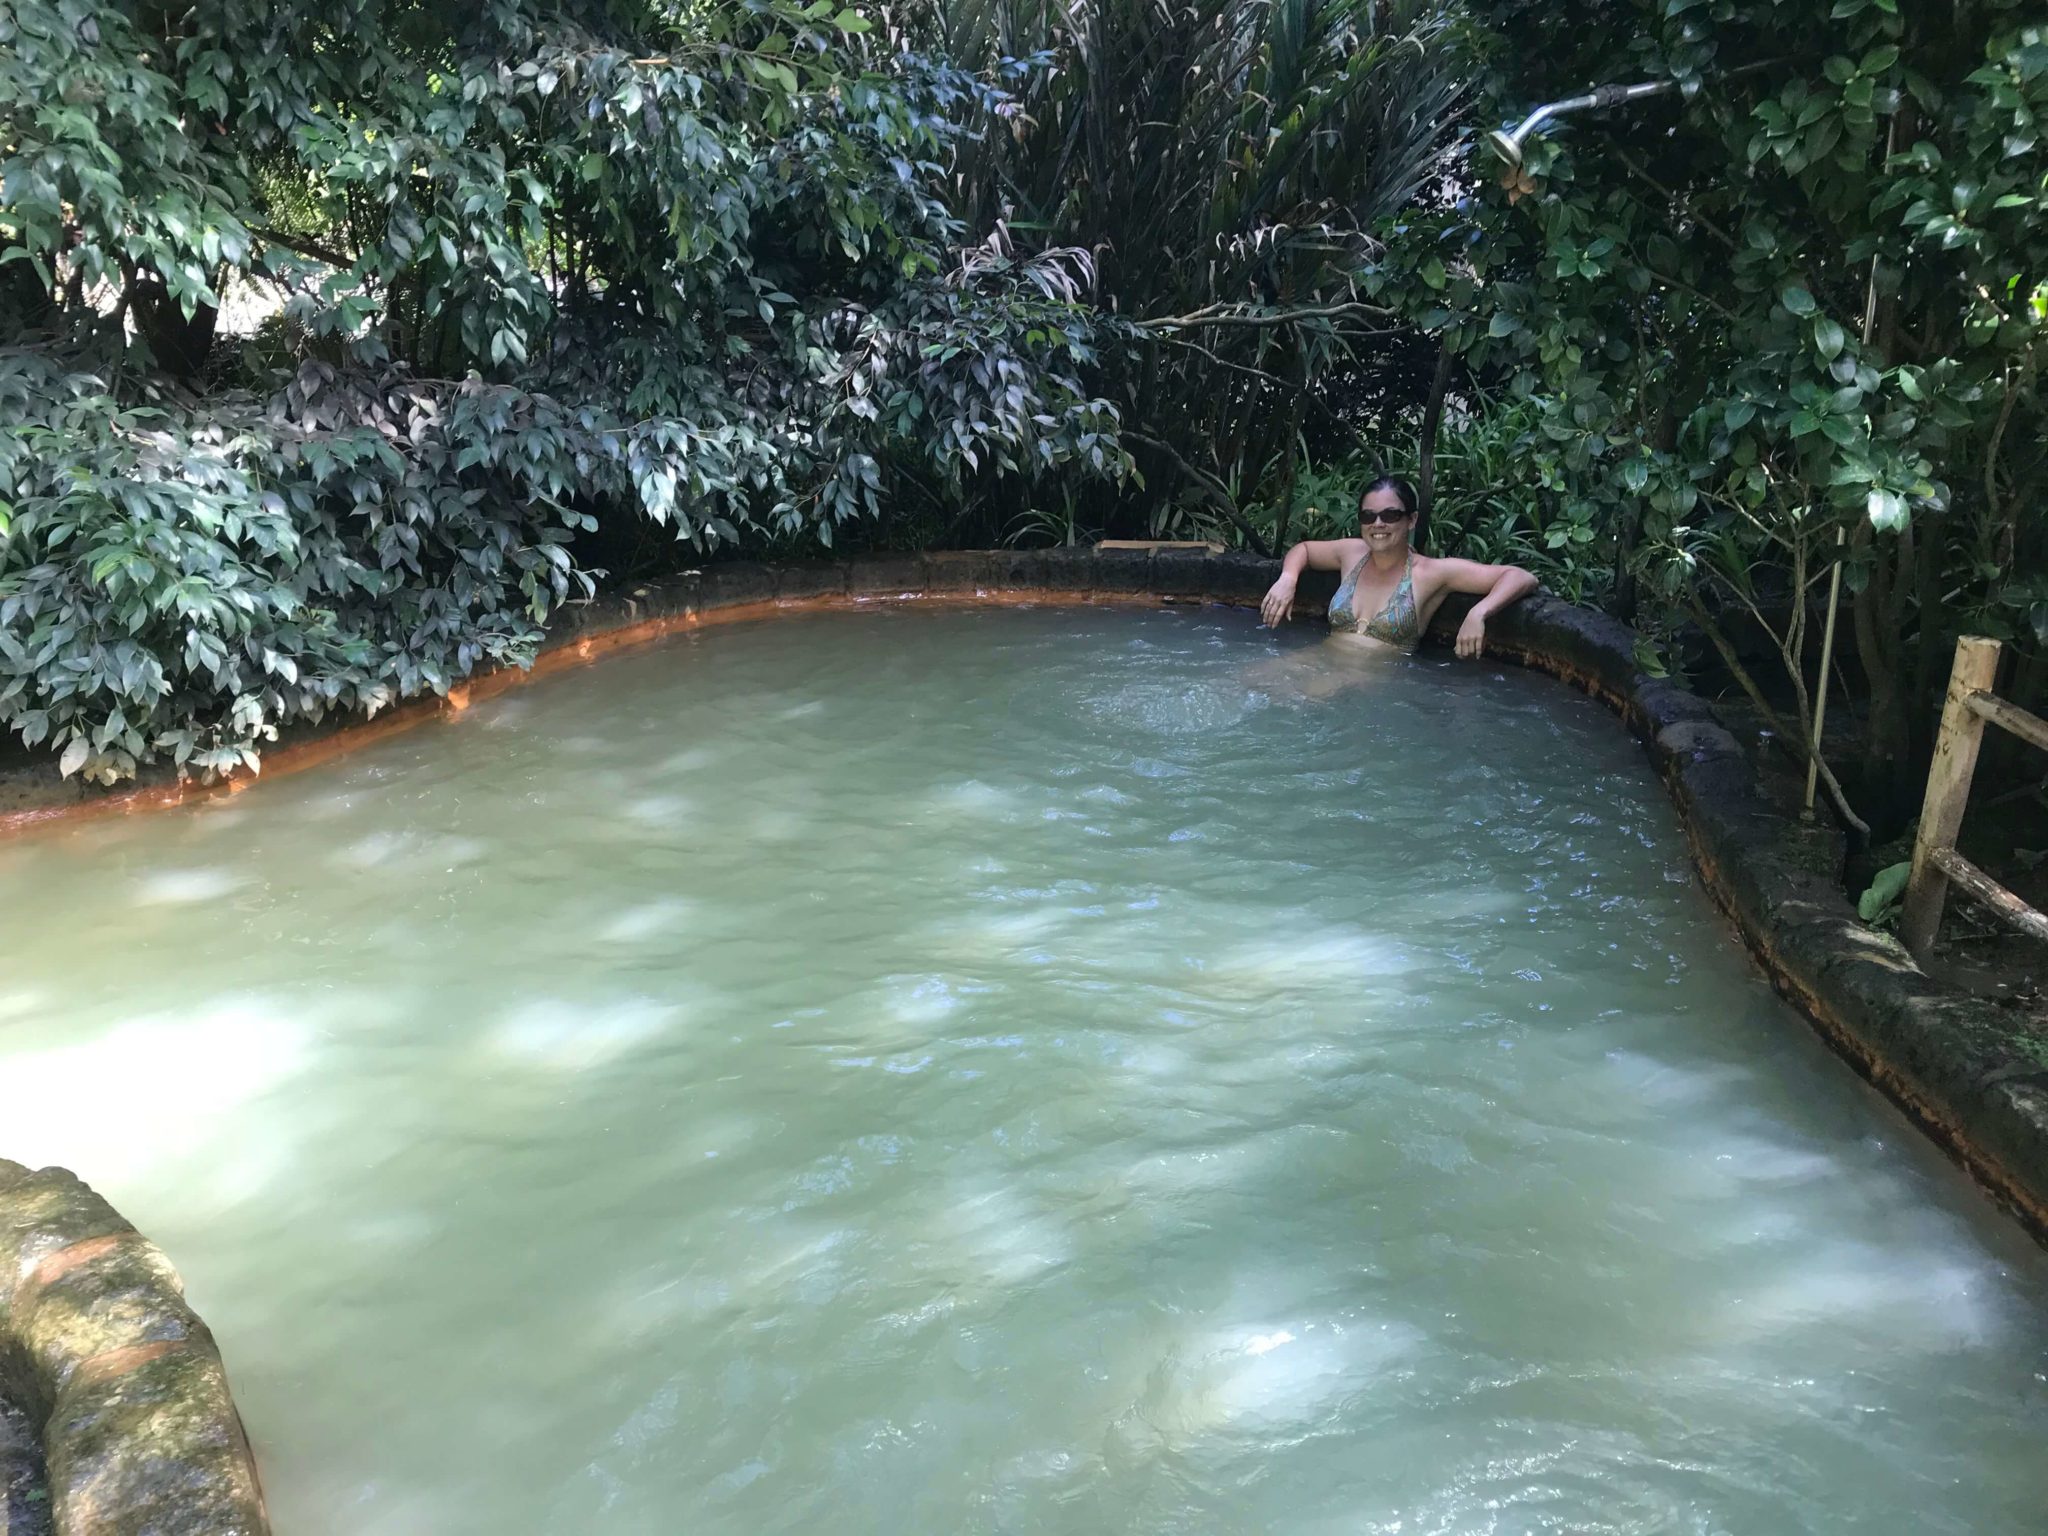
(178, 583)
(530, 262)
(1227, 162)
(1788, 313)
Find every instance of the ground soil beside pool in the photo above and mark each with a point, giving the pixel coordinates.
(1978, 952)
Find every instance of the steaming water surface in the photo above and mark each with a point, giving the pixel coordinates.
(1010, 1072)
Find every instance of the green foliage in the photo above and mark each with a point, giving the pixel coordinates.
(531, 263)
(1879, 905)
(1322, 502)
(99, 175)
(787, 275)
(1481, 509)
(1797, 300)
(1226, 161)
(179, 584)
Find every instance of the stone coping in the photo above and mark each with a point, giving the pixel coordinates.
(96, 1340)
(33, 793)
(100, 1351)
(1959, 1066)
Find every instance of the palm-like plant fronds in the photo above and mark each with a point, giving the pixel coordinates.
(1220, 158)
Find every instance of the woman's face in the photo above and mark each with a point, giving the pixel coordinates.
(1378, 534)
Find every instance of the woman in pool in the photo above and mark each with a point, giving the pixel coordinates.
(1389, 592)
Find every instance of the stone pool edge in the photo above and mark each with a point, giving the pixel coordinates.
(33, 794)
(121, 1379)
(1955, 1067)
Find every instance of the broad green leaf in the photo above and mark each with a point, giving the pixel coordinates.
(1884, 892)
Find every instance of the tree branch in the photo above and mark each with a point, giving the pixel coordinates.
(1684, 287)
(1298, 387)
(1672, 197)
(1432, 420)
(304, 247)
(1238, 314)
(1214, 491)
(1777, 725)
(2014, 379)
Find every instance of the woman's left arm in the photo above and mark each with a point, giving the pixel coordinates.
(1495, 586)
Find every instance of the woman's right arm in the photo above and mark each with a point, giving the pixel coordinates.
(1310, 554)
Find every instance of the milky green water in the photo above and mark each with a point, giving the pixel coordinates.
(914, 1072)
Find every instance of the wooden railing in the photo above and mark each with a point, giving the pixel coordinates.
(1970, 706)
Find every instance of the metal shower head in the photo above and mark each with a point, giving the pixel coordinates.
(1507, 146)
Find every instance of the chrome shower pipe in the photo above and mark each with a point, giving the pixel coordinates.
(1509, 145)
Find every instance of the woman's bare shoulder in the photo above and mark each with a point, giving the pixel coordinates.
(1427, 569)
(1333, 554)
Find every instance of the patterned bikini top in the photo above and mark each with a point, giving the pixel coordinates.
(1396, 624)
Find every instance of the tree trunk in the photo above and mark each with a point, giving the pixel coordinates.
(1209, 488)
(24, 300)
(1887, 765)
(178, 342)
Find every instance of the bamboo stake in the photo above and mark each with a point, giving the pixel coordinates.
(2028, 727)
(1987, 890)
(1948, 791)
(1827, 662)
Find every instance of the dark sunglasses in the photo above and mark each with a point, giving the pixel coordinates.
(1384, 515)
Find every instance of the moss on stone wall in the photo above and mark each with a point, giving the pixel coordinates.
(99, 1349)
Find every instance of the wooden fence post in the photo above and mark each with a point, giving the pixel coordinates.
(1948, 790)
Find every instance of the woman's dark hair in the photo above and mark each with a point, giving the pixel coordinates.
(1399, 485)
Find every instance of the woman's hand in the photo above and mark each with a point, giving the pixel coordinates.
(1495, 586)
(1278, 600)
(1472, 635)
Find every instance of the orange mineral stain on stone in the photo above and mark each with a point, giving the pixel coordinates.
(124, 1382)
(327, 742)
(119, 1362)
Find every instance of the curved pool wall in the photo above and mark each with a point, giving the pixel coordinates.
(97, 1344)
(1962, 1068)
(100, 1351)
